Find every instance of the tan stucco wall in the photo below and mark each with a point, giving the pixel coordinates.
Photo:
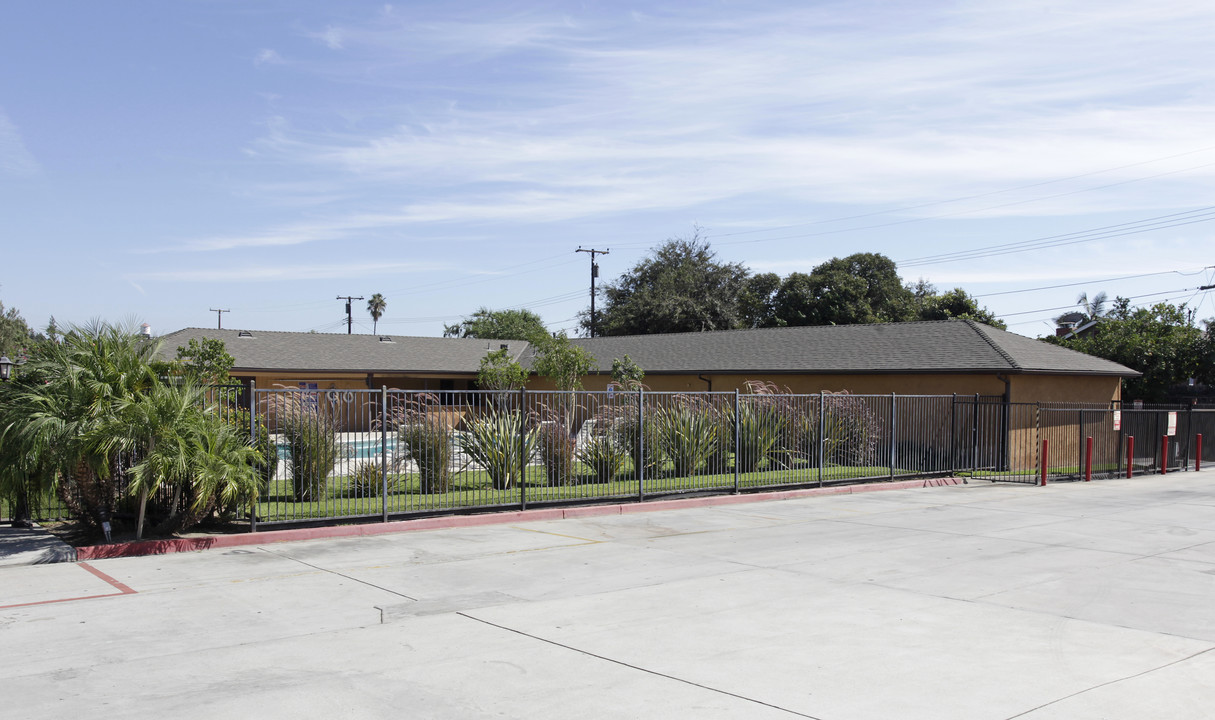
(1065, 388)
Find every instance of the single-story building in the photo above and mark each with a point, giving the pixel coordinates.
(912, 358)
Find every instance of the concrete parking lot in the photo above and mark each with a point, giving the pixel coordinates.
(1081, 600)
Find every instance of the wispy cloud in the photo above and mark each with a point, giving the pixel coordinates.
(555, 117)
(15, 158)
(268, 57)
(291, 272)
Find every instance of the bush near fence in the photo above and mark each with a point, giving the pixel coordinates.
(378, 454)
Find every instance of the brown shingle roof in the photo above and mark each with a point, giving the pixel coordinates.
(911, 347)
(950, 346)
(313, 352)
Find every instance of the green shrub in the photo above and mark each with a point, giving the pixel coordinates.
(556, 452)
(642, 439)
(605, 456)
(850, 430)
(687, 433)
(427, 441)
(310, 433)
(366, 480)
(499, 443)
(760, 426)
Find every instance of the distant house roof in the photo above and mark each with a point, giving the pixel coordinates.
(948, 346)
(945, 346)
(266, 350)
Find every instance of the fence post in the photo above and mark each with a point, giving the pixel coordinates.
(1117, 446)
(1130, 455)
(641, 445)
(1198, 452)
(1045, 456)
(821, 440)
(1080, 448)
(953, 426)
(974, 436)
(522, 449)
(892, 435)
(1189, 427)
(736, 441)
(253, 442)
(1088, 459)
(1164, 454)
(384, 452)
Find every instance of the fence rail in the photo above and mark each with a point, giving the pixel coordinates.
(381, 454)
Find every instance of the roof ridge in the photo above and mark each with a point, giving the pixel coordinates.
(974, 325)
(307, 333)
(773, 329)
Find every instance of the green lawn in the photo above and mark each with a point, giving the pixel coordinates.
(473, 489)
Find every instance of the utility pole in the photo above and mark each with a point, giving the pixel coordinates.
(219, 318)
(349, 316)
(594, 274)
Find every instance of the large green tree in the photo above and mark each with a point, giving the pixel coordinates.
(499, 325)
(16, 337)
(928, 304)
(859, 288)
(679, 287)
(1160, 341)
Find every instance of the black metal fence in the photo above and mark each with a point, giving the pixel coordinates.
(381, 454)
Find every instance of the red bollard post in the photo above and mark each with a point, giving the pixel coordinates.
(1130, 455)
(1088, 459)
(1164, 454)
(1045, 454)
(1197, 452)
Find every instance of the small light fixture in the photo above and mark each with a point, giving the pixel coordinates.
(6, 368)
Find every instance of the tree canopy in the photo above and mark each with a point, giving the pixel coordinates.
(499, 325)
(1160, 341)
(859, 288)
(16, 337)
(206, 363)
(680, 287)
(928, 304)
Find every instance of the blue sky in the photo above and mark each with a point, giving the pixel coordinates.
(159, 159)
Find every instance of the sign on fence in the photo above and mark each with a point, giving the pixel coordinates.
(1117, 420)
(1172, 424)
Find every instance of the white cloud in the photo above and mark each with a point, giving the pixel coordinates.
(15, 158)
(286, 272)
(268, 57)
(546, 118)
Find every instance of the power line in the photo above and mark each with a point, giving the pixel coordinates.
(1135, 227)
(1086, 282)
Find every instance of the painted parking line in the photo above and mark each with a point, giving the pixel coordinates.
(120, 587)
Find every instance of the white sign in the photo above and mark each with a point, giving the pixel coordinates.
(1172, 424)
(1117, 420)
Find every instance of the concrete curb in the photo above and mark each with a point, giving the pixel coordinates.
(160, 547)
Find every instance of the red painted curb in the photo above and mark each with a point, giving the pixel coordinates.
(160, 547)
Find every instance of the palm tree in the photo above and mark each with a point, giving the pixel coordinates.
(1093, 309)
(96, 410)
(375, 307)
(1090, 311)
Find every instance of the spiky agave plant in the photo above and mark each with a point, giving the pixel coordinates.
(499, 442)
(687, 433)
(605, 456)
